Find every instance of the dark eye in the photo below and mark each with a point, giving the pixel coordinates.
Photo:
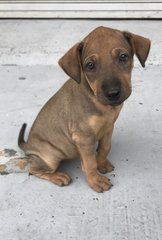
(90, 66)
(123, 58)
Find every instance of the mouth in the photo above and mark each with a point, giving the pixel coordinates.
(118, 100)
(115, 102)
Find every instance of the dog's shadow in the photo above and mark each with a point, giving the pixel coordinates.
(71, 167)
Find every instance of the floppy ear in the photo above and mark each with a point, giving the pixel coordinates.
(140, 46)
(71, 62)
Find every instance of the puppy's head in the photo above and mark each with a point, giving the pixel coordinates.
(105, 60)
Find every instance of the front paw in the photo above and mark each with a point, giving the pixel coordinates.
(99, 183)
(105, 167)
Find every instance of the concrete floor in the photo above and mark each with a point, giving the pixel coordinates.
(34, 209)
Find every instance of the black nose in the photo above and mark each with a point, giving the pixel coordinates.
(113, 93)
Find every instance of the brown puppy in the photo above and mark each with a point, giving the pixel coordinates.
(83, 112)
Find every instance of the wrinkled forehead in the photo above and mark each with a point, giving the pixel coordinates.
(103, 40)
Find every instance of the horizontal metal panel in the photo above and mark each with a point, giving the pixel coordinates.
(79, 1)
(80, 9)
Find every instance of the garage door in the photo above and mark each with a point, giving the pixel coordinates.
(80, 9)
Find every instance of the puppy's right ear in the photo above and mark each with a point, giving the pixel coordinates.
(71, 62)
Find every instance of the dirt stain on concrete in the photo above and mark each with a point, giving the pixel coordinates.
(8, 153)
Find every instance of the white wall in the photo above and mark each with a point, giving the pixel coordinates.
(81, 9)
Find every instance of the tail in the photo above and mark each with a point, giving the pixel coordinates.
(21, 141)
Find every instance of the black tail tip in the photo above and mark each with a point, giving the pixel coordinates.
(24, 126)
(21, 134)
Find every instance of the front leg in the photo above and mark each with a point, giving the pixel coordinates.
(104, 146)
(86, 149)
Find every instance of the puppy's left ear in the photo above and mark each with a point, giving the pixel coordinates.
(140, 46)
(71, 62)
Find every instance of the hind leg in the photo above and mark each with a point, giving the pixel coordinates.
(48, 172)
(59, 178)
(37, 167)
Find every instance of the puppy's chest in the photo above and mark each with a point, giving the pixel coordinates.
(101, 124)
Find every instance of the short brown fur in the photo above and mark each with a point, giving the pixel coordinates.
(83, 112)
